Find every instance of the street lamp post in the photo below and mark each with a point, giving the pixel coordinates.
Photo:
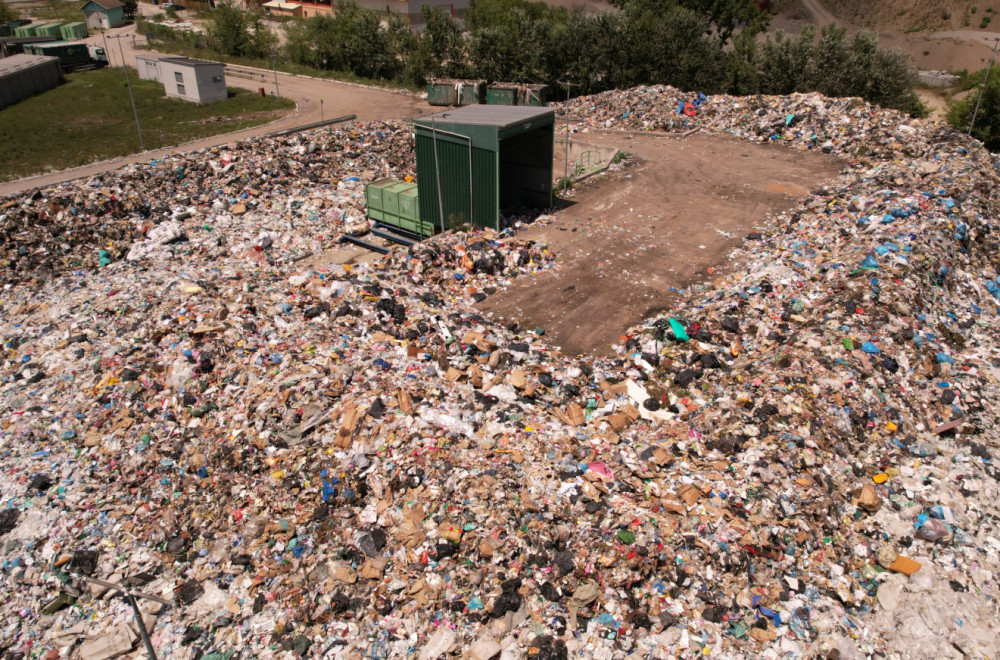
(270, 47)
(128, 81)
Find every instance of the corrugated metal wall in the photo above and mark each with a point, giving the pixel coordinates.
(27, 82)
(526, 169)
(453, 163)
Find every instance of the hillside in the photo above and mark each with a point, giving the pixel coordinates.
(909, 16)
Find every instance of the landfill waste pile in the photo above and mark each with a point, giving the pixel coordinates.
(82, 226)
(799, 460)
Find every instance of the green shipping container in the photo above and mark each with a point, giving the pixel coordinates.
(373, 197)
(72, 31)
(49, 30)
(409, 209)
(70, 54)
(26, 30)
(395, 203)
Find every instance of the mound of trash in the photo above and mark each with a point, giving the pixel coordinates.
(281, 457)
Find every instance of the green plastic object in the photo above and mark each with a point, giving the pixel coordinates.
(679, 330)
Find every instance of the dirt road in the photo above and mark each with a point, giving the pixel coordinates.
(820, 14)
(314, 98)
(632, 237)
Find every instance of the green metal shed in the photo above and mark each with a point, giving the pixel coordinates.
(490, 159)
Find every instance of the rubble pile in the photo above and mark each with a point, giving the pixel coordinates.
(66, 228)
(799, 460)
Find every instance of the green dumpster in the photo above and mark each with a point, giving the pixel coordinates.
(517, 94)
(441, 92)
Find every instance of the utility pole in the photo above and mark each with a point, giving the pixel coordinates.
(270, 47)
(983, 88)
(128, 81)
(107, 51)
(566, 154)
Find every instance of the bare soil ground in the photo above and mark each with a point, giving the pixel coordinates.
(941, 35)
(633, 236)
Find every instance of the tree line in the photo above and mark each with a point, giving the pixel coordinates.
(712, 46)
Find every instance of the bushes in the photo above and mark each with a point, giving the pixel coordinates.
(676, 42)
(237, 33)
(158, 32)
(987, 128)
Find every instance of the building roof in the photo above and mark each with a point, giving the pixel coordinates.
(500, 116)
(190, 61)
(22, 62)
(104, 4)
(278, 4)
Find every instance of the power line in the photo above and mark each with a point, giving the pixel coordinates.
(128, 81)
(982, 89)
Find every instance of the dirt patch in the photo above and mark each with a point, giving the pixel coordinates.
(634, 237)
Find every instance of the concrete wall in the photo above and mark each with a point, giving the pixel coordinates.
(199, 84)
(148, 67)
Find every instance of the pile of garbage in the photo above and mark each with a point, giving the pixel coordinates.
(311, 186)
(312, 460)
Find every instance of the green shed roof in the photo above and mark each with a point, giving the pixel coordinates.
(498, 116)
(485, 125)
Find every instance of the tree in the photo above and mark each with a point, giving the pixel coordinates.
(440, 50)
(727, 16)
(987, 128)
(130, 7)
(236, 33)
(6, 12)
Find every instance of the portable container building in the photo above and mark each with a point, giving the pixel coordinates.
(487, 159)
(25, 75)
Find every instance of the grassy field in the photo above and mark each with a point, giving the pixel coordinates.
(89, 118)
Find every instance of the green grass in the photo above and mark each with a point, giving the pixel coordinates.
(89, 118)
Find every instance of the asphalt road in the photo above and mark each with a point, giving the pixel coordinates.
(315, 99)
